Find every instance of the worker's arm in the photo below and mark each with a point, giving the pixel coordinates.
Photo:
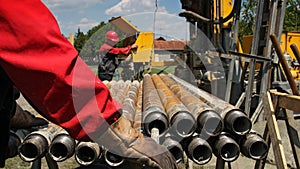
(46, 68)
(122, 51)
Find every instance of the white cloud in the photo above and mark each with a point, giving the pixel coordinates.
(126, 7)
(62, 4)
(170, 26)
(84, 25)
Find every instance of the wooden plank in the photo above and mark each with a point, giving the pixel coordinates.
(274, 132)
(287, 101)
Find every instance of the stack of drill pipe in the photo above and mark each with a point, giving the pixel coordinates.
(181, 121)
(197, 149)
(208, 121)
(119, 90)
(62, 146)
(235, 120)
(130, 101)
(137, 124)
(87, 153)
(129, 106)
(154, 115)
(125, 93)
(36, 144)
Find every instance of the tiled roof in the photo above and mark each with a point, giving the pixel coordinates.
(169, 45)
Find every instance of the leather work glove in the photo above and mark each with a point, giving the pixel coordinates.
(122, 139)
(23, 119)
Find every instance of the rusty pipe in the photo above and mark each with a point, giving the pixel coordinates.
(154, 115)
(182, 122)
(198, 150)
(174, 147)
(62, 147)
(235, 120)
(254, 146)
(296, 51)
(87, 152)
(284, 64)
(36, 144)
(225, 147)
(208, 120)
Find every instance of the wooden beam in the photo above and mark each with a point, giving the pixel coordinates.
(274, 132)
(287, 101)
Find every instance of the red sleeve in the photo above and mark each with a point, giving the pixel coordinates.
(114, 50)
(46, 68)
(120, 51)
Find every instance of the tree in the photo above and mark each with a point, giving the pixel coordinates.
(88, 44)
(248, 13)
(247, 18)
(79, 40)
(292, 16)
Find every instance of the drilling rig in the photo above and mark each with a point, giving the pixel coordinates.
(247, 75)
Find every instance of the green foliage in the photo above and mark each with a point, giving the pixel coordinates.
(247, 18)
(79, 40)
(248, 13)
(292, 16)
(88, 44)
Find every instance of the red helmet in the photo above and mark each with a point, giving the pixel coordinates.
(112, 35)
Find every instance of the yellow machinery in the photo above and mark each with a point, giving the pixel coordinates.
(287, 39)
(145, 52)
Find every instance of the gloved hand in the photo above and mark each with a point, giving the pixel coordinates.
(23, 119)
(122, 139)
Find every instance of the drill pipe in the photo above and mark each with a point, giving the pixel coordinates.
(130, 101)
(235, 120)
(225, 147)
(137, 124)
(253, 146)
(117, 87)
(15, 140)
(36, 144)
(182, 122)
(113, 159)
(208, 120)
(198, 150)
(174, 147)
(296, 52)
(154, 115)
(62, 147)
(87, 152)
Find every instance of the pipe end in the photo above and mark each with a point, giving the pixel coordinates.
(183, 124)
(211, 123)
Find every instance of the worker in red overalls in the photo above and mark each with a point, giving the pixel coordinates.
(108, 59)
(47, 70)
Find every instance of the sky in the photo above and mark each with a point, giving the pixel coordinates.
(85, 14)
